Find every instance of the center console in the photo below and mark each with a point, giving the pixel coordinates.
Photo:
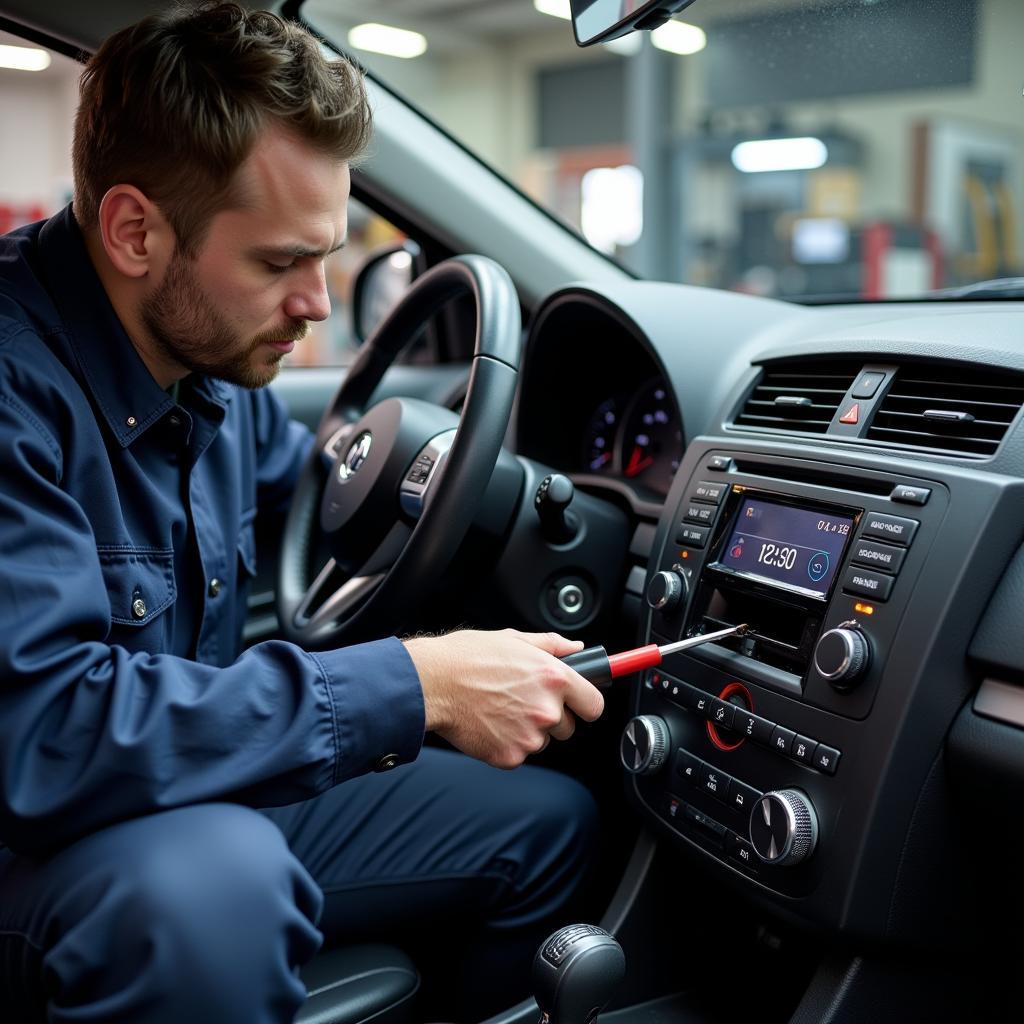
(784, 755)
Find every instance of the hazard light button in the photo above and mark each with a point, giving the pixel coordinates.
(852, 415)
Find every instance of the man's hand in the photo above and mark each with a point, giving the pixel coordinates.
(501, 696)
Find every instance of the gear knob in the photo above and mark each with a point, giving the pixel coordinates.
(575, 972)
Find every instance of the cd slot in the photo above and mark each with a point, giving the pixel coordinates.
(779, 634)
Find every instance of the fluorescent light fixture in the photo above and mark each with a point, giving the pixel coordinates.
(24, 58)
(803, 154)
(556, 8)
(392, 42)
(679, 37)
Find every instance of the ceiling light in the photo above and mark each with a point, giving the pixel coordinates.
(679, 37)
(625, 46)
(804, 154)
(556, 8)
(393, 42)
(24, 58)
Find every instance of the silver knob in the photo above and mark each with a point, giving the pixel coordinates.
(665, 590)
(841, 655)
(783, 827)
(644, 746)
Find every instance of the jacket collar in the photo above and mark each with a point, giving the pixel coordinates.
(124, 390)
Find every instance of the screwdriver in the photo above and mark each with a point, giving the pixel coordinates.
(599, 667)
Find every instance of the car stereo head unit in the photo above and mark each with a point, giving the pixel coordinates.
(786, 545)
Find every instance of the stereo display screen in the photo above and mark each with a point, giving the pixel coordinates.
(798, 548)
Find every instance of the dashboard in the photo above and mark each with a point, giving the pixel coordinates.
(848, 483)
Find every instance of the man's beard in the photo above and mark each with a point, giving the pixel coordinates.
(187, 329)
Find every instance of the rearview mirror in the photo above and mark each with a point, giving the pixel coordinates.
(597, 21)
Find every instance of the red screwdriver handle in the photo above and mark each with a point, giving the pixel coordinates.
(633, 661)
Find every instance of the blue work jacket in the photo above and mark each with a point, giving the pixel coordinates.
(126, 549)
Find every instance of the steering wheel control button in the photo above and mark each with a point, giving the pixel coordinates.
(420, 470)
(910, 495)
(868, 384)
(782, 740)
(826, 759)
(721, 463)
(878, 556)
(701, 514)
(570, 599)
(692, 536)
(386, 763)
(213, 588)
(138, 607)
(784, 828)
(894, 529)
(841, 655)
(803, 750)
(867, 584)
(708, 491)
(644, 745)
(665, 590)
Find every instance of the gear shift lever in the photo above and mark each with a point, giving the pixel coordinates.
(575, 972)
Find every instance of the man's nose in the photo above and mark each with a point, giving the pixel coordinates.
(309, 299)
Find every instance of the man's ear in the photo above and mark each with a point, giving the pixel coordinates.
(136, 236)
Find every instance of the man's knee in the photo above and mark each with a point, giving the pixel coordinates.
(202, 908)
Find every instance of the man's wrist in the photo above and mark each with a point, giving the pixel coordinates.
(432, 666)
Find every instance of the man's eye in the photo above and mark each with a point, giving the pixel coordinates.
(278, 268)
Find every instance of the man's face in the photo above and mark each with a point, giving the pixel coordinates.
(242, 302)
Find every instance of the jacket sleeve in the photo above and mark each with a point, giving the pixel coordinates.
(91, 733)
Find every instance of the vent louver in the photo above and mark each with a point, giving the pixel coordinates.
(949, 409)
(798, 396)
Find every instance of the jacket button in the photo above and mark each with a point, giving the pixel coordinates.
(139, 608)
(214, 587)
(386, 763)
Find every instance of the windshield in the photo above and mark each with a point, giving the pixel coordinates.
(806, 149)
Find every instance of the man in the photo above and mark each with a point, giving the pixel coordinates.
(139, 882)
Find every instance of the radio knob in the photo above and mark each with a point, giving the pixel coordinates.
(645, 744)
(665, 590)
(841, 656)
(783, 827)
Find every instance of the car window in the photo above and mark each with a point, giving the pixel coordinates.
(797, 148)
(38, 98)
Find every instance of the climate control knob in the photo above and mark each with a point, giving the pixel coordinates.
(665, 590)
(783, 827)
(645, 744)
(842, 655)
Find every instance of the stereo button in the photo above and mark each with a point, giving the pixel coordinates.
(715, 782)
(880, 556)
(708, 491)
(910, 495)
(692, 536)
(803, 749)
(868, 584)
(740, 850)
(782, 740)
(891, 528)
(753, 726)
(699, 513)
(742, 797)
(720, 462)
(826, 759)
(722, 713)
(688, 766)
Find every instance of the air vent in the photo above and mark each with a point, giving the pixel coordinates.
(948, 409)
(798, 396)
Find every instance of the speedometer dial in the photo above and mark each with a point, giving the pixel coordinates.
(599, 438)
(652, 437)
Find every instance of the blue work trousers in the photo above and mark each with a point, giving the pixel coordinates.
(203, 914)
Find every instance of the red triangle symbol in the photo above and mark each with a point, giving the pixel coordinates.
(852, 415)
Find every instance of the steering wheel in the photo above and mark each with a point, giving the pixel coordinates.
(393, 487)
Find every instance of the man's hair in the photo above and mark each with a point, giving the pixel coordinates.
(174, 104)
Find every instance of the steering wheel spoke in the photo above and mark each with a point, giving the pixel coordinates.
(365, 486)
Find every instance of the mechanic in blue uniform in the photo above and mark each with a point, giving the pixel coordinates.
(181, 823)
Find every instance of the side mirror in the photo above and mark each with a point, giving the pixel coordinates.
(379, 283)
